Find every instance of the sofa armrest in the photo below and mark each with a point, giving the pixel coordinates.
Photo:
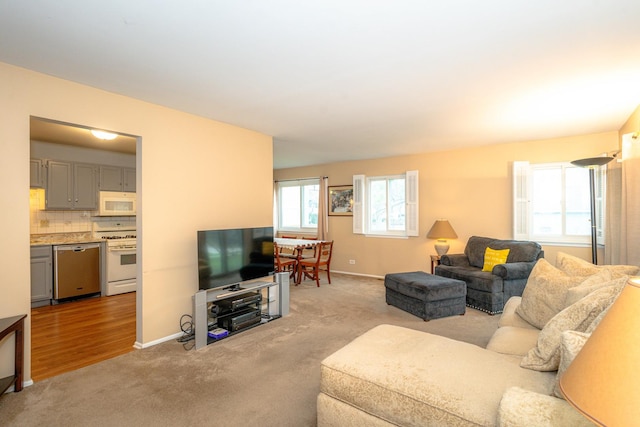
(514, 270)
(520, 407)
(458, 260)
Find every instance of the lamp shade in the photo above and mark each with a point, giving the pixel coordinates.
(441, 230)
(603, 381)
(592, 162)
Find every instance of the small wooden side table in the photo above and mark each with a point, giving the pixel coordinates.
(435, 260)
(10, 325)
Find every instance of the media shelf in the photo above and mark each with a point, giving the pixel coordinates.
(237, 310)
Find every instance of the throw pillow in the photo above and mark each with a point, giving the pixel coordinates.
(544, 294)
(545, 356)
(493, 257)
(597, 281)
(579, 267)
(571, 343)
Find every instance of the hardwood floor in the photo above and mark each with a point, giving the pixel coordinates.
(69, 336)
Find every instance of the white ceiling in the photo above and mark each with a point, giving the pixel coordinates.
(337, 80)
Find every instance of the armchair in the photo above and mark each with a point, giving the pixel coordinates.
(489, 290)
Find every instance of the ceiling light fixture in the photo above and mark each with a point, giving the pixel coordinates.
(100, 134)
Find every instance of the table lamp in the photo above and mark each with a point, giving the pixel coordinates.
(603, 381)
(441, 231)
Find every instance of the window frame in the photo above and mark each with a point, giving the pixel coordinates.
(523, 211)
(296, 183)
(361, 207)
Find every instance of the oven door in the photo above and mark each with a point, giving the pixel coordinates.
(121, 263)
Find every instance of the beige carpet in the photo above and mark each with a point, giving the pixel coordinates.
(267, 376)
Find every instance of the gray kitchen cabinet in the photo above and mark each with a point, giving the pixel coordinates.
(129, 179)
(36, 169)
(110, 178)
(41, 276)
(114, 178)
(71, 186)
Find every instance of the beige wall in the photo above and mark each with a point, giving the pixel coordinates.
(632, 124)
(470, 187)
(192, 173)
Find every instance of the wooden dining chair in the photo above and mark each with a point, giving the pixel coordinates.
(310, 268)
(309, 252)
(284, 264)
(288, 252)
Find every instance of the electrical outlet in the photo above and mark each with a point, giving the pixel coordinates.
(352, 261)
(44, 223)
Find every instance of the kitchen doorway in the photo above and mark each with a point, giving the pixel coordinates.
(104, 326)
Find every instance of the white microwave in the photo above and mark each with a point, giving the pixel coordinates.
(117, 203)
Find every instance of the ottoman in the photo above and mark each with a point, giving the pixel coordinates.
(425, 295)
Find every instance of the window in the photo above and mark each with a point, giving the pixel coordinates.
(552, 203)
(386, 205)
(298, 205)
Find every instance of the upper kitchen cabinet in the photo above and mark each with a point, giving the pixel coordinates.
(36, 169)
(129, 182)
(114, 178)
(71, 186)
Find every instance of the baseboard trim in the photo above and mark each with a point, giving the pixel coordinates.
(349, 273)
(138, 345)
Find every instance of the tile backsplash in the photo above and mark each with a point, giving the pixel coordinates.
(45, 222)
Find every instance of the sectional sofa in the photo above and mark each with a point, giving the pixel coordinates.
(398, 376)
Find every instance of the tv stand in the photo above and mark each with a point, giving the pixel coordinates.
(241, 311)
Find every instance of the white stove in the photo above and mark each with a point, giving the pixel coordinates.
(121, 257)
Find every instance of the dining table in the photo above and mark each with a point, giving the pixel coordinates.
(297, 246)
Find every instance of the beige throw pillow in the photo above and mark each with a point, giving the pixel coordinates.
(597, 281)
(544, 295)
(571, 343)
(545, 356)
(578, 267)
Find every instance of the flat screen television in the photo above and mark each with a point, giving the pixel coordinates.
(228, 257)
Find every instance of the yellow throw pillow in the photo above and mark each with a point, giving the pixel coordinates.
(493, 257)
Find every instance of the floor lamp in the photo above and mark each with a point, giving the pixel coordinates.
(592, 163)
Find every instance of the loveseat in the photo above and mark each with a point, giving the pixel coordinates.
(398, 376)
(491, 280)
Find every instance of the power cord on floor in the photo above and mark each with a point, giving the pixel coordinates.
(186, 326)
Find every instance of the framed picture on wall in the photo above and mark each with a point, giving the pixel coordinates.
(341, 200)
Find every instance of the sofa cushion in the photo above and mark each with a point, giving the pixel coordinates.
(571, 342)
(544, 295)
(513, 340)
(408, 377)
(475, 248)
(520, 407)
(519, 250)
(545, 356)
(509, 316)
(493, 257)
(474, 278)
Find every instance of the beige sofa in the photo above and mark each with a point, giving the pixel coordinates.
(397, 376)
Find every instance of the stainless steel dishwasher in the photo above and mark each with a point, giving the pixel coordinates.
(76, 270)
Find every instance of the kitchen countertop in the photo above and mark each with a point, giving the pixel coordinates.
(63, 239)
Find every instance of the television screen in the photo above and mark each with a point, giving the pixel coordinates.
(228, 257)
